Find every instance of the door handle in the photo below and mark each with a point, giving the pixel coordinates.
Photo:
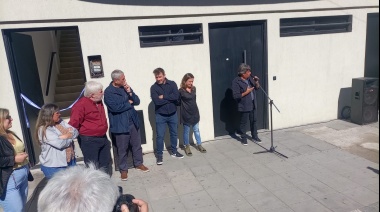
(245, 56)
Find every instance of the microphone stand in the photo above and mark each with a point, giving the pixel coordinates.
(272, 149)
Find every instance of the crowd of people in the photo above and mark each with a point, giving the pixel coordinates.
(88, 124)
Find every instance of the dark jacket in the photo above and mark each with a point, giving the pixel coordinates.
(167, 105)
(189, 109)
(245, 103)
(120, 111)
(7, 161)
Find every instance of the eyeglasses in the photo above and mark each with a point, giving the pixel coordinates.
(8, 117)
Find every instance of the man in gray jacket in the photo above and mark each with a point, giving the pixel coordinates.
(243, 90)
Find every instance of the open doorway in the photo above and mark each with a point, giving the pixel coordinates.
(46, 66)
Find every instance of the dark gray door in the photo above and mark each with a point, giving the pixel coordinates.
(230, 45)
(29, 84)
(372, 46)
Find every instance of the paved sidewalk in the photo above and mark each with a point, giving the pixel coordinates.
(322, 173)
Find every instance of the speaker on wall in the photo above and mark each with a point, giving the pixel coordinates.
(364, 100)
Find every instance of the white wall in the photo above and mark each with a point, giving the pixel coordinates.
(310, 70)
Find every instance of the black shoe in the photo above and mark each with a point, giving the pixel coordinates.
(159, 161)
(257, 139)
(244, 142)
(177, 155)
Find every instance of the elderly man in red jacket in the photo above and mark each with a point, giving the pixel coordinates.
(89, 117)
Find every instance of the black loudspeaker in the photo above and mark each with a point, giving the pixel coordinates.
(364, 100)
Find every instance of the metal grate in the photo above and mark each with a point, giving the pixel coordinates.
(315, 25)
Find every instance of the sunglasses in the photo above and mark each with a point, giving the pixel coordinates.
(8, 117)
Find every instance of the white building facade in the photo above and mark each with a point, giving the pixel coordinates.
(304, 69)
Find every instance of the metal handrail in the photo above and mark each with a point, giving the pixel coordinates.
(49, 74)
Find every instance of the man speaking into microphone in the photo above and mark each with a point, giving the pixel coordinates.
(243, 89)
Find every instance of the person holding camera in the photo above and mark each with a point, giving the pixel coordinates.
(243, 91)
(86, 189)
(124, 122)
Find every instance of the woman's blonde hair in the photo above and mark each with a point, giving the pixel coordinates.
(45, 119)
(185, 78)
(3, 116)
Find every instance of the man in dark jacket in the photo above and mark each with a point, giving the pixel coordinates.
(124, 122)
(165, 97)
(243, 90)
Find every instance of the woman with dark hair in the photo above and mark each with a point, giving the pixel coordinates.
(13, 167)
(190, 113)
(56, 139)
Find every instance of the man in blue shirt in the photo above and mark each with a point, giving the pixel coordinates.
(124, 122)
(165, 97)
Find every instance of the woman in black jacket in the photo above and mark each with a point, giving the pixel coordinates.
(13, 167)
(190, 113)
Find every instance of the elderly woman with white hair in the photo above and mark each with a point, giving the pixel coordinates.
(89, 118)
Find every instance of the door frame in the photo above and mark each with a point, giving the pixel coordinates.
(6, 33)
(264, 24)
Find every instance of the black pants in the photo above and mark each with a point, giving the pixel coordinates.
(97, 150)
(123, 140)
(250, 116)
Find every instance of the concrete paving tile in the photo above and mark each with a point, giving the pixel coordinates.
(212, 156)
(161, 191)
(242, 206)
(340, 125)
(200, 199)
(339, 203)
(283, 209)
(338, 183)
(369, 209)
(225, 194)
(249, 187)
(305, 149)
(195, 161)
(186, 186)
(296, 176)
(362, 195)
(291, 143)
(265, 157)
(245, 161)
(181, 173)
(286, 151)
(309, 206)
(315, 188)
(292, 195)
(259, 171)
(362, 177)
(275, 182)
(173, 164)
(131, 184)
(234, 174)
(233, 154)
(212, 180)
(202, 170)
(281, 166)
(321, 145)
(158, 178)
(212, 208)
(265, 201)
(172, 204)
(374, 187)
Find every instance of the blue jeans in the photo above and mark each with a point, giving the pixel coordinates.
(161, 122)
(50, 171)
(186, 134)
(14, 198)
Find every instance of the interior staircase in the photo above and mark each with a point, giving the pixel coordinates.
(71, 77)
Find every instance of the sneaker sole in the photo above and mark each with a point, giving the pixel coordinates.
(245, 144)
(177, 157)
(124, 179)
(160, 163)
